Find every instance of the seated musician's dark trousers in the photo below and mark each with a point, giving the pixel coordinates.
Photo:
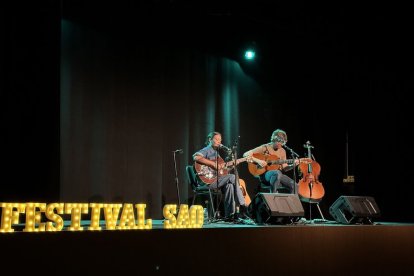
(233, 195)
(276, 179)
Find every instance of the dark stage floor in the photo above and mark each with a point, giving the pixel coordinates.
(304, 248)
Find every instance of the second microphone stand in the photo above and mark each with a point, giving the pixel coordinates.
(176, 175)
(293, 155)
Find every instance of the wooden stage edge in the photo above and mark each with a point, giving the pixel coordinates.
(307, 249)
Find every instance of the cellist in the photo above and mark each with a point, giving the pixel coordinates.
(273, 174)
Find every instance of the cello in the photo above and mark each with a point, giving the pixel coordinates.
(310, 189)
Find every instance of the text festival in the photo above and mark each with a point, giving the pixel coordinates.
(40, 217)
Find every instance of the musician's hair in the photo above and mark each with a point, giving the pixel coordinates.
(277, 135)
(211, 135)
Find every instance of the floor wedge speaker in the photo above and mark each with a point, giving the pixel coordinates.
(276, 208)
(354, 210)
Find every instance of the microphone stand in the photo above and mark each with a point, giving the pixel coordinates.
(234, 159)
(216, 213)
(176, 176)
(294, 155)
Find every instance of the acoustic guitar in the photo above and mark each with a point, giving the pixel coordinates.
(208, 175)
(246, 196)
(273, 163)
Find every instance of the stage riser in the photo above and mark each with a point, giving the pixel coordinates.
(343, 250)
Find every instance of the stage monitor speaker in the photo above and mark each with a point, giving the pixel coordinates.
(277, 208)
(354, 210)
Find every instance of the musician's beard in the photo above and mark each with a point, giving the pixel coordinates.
(277, 146)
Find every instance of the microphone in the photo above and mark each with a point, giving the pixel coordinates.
(224, 147)
(178, 151)
(291, 150)
(236, 141)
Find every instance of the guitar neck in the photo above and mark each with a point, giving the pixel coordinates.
(240, 160)
(278, 162)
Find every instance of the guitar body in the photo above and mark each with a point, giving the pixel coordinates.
(272, 161)
(207, 174)
(246, 196)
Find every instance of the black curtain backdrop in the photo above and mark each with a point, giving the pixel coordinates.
(127, 103)
(96, 98)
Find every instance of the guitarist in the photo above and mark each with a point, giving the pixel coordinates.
(234, 203)
(274, 178)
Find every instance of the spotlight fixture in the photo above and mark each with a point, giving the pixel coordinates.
(249, 54)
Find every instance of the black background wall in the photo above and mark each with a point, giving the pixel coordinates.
(99, 116)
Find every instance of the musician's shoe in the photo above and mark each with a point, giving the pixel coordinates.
(240, 217)
(236, 218)
(230, 218)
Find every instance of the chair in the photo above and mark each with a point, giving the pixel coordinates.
(201, 189)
